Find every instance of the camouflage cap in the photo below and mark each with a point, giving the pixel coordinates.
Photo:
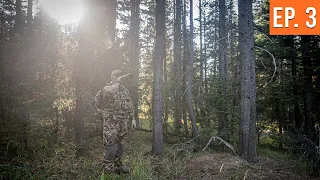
(119, 76)
(115, 75)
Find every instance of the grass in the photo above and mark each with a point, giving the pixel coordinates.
(50, 158)
(274, 154)
(300, 166)
(58, 158)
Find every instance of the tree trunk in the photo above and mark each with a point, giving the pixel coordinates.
(83, 60)
(190, 76)
(18, 18)
(280, 120)
(223, 121)
(80, 61)
(166, 89)
(166, 94)
(317, 100)
(295, 87)
(157, 146)
(177, 65)
(1, 36)
(184, 67)
(247, 149)
(29, 18)
(235, 101)
(205, 48)
(201, 43)
(78, 122)
(307, 69)
(135, 52)
(111, 9)
(202, 67)
(112, 57)
(215, 40)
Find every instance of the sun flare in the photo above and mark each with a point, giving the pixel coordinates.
(64, 11)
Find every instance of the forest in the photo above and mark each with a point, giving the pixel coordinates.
(215, 96)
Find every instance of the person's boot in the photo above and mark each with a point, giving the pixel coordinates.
(109, 163)
(124, 169)
(110, 166)
(121, 168)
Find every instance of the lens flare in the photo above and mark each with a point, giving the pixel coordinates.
(64, 11)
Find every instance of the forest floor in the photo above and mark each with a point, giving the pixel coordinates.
(272, 165)
(61, 161)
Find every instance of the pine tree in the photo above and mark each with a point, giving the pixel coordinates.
(247, 130)
(157, 147)
(176, 73)
(223, 121)
(135, 52)
(195, 131)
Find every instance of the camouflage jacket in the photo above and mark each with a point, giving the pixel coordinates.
(114, 103)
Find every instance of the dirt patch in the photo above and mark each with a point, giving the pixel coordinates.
(225, 166)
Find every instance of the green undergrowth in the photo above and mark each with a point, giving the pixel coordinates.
(52, 157)
(300, 166)
(274, 154)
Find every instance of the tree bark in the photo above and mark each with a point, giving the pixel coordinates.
(135, 52)
(111, 9)
(205, 48)
(78, 123)
(166, 94)
(215, 40)
(202, 67)
(295, 87)
(190, 76)
(223, 121)
(1, 35)
(80, 61)
(247, 149)
(184, 67)
(307, 69)
(280, 120)
(29, 18)
(177, 65)
(201, 43)
(157, 146)
(235, 101)
(18, 18)
(166, 89)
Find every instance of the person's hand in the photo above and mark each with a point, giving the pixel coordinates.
(133, 124)
(130, 75)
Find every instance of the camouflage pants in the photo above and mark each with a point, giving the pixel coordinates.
(114, 132)
(112, 157)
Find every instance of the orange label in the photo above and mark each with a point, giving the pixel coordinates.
(294, 17)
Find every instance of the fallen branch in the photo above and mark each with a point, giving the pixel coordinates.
(245, 175)
(246, 162)
(223, 141)
(179, 144)
(274, 63)
(221, 167)
(141, 129)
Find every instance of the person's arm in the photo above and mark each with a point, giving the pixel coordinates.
(133, 119)
(98, 101)
(124, 77)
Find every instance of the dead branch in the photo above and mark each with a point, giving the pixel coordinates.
(185, 91)
(221, 140)
(145, 130)
(245, 175)
(274, 63)
(175, 91)
(246, 162)
(184, 143)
